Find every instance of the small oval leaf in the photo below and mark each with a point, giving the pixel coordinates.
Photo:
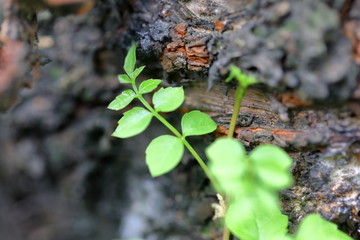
(315, 227)
(123, 78)
(228, 164)
(168, 99)
(272, 166)
(130, 60)
(246, 219)
(148, 85)
(197, 123)
(133, 122)
(240, 220)
(137, 72)
(163, 154)
(122, 100)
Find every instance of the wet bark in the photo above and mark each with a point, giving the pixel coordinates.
(305, 53)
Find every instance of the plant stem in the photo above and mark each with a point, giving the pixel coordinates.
(239, 94)
(203, 166)
(159, 117)
(185, 142)
(226, 233)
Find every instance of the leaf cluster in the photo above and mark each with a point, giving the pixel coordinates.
(164, 152)
(252, 183)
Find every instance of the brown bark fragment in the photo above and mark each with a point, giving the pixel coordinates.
(219, 25)
(352, 31)
(180, 30)
(193, 56)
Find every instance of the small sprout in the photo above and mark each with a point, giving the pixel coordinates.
(244, 80)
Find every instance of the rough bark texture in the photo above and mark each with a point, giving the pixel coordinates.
(61, 170)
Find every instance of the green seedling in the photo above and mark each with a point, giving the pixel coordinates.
(247, 184)
(252, 182)
(244, 81)
(165, 152)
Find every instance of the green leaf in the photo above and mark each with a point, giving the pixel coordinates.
(163, 154)
(133, 122)
(148, 85)
(228, 163)
(122, 100)
(197, 123)
(268, 200)
(272, 166)
(244, 79)
(168, 99)
(137, 72)
(130, 60)
(314, 227)
(271, 225)
(123, 78)
(240, 219)
(247, 219)
(286, 237)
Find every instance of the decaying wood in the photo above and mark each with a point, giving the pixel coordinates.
(264, 118)
(285, 43)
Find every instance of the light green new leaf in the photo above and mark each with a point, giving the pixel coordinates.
(148, 85)
(240, 219)
(163, 154)
(130, 60)
(228, 164)
(268, 200)
(272, 224)
(197, 123)
(137, 72)
(286, 237)
(133, 122)
(313, 227)
(168, 99)
(272, 166)
(247, 219)
(123, 78)
(122, 100)
(244, 79)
